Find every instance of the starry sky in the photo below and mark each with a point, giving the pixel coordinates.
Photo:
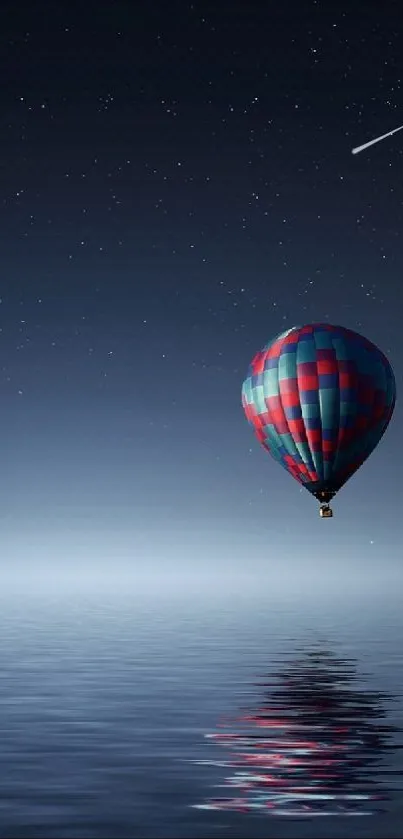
(177, 187)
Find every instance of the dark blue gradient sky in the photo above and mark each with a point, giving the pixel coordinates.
(177, 188)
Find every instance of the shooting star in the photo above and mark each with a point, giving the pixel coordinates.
(377, 140)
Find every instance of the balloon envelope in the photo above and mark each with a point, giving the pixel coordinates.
(319, 398)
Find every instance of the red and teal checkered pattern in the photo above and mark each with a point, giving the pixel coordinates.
(319, 398)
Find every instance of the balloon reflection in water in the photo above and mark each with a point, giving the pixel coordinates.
(315, 747)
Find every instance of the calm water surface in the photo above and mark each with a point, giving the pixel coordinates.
(105, 701)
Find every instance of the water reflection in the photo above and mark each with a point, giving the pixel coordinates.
(315, 746)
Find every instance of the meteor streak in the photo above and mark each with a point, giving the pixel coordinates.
(377, 140)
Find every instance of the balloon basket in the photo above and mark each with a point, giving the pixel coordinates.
(326, 512)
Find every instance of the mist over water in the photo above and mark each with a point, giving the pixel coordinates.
(109, 684)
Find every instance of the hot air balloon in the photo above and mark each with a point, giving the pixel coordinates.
(319, 398)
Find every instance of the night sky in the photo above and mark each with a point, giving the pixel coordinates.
(177, 187)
